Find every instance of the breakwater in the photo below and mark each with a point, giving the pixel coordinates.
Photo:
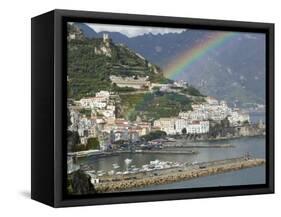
(123, 183)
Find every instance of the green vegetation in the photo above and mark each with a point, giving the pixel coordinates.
(154, 135)
(73, 140)
(115, 88)
(78, 147)
(93, 143)
(151, 106)
(68, 118)
(191, 91)
(92, 61)
(89, 69)
(86, 112)
(79, 183)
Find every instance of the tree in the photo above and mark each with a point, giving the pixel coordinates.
(80, 183)
(183, 131)
(93, 143)
(154, 135)
(73, 140)
(86, 112)
(68, 118)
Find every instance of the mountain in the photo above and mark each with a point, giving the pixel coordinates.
(87, 31)
(91, 62)
(235, 74)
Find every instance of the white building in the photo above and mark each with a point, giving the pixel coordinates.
(86, 102)
(198, 127)
(180, 124)
(166, 124)
(211, 100)
(176, 125)
(237, 118)
(192, 127)
(108, 113)
(134, 82)
(212, 109)
(83, 140)
(99, 101)
(74, 119)
(180, 83)
(103, 93)
(194, 115)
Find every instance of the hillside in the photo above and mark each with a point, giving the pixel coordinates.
(91, 62)
(226, 74)
(151, 106)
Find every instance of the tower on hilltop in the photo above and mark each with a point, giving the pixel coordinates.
(105, 37)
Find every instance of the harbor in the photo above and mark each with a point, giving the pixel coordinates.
(174, 173)
(141, 167)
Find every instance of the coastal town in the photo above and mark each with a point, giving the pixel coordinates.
(118, 135)
(116, 120)
(101, 122)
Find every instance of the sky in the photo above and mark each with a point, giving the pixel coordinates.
(132, 31)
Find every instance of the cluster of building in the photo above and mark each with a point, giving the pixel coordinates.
(177, 125)
(197, 121)
(102, 122)
(103, 103)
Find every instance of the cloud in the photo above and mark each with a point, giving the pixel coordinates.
(132, 31)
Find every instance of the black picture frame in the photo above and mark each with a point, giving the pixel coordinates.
(48, 147)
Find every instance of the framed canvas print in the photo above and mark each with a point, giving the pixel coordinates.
(131, 108)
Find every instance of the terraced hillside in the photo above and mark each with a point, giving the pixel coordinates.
(91, 62)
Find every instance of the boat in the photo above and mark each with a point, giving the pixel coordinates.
(115, 166)
(155, 162)
(170, 139)
(111, 172)
(128, 161)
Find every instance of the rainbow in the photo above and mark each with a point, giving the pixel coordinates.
(218, 40)
(185, 60)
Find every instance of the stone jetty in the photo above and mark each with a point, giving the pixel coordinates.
(177, 174)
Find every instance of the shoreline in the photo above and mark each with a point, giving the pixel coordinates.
(161, 151)
(100, 154)
(220, 138)
(178, 174)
